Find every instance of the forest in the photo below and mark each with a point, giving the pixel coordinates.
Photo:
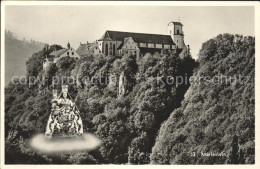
(151, 122)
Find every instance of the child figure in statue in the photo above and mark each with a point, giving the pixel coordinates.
(64, 120)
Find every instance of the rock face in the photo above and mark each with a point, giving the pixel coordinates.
(112, 81)
(121, 85)
(214, 111)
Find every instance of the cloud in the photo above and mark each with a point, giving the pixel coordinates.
(87, 142)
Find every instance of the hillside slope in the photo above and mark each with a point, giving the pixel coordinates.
(127, 123)
(215, 117)
(16, 54)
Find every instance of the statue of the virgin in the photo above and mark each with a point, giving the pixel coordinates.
(64, 120)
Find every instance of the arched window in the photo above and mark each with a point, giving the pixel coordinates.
(106, 49)
(177, 31)
(114, 49)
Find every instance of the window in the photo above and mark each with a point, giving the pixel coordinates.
(114, 49)
(68, 53)
(106, 49)
(72, 53)
(178, 31)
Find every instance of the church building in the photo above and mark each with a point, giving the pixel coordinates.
(117, 43)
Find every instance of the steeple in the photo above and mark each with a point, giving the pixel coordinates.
(177, 34)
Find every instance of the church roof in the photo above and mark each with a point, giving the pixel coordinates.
(120, 46)
(138, 37)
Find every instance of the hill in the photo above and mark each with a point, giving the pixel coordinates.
(125, 115)
(16, 54)
(216, 117)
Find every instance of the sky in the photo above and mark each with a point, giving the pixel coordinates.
(75, 24)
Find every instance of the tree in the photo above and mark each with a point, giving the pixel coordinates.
(234, 158)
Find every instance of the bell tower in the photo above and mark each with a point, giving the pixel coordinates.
(175, 30)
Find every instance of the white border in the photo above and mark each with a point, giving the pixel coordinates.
(140, 3)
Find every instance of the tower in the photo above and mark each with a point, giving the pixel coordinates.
(68, 45)
(175, 30)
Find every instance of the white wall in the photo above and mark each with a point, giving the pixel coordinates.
(150, 45)
(159, 46)
(143, 45)
(166, 46)
(70, 52)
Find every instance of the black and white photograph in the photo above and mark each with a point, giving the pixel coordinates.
(110, 83)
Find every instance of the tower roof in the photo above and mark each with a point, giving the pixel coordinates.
(175, 23)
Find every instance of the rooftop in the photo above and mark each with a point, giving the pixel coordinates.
(176, 23)
(83, 49)
(58, 52)
(138, 37)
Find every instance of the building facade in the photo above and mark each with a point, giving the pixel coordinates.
(56, 55)
(69, 51)
(117, 43)
(88, 48)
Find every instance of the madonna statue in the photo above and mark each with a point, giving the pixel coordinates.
(64, 120)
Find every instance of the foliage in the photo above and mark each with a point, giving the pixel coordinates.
(214, 112)
(127, 125)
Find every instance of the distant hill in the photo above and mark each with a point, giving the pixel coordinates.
(215, 117)
(17, 53)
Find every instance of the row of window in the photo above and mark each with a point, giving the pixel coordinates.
(68, 53)
(113, 52)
